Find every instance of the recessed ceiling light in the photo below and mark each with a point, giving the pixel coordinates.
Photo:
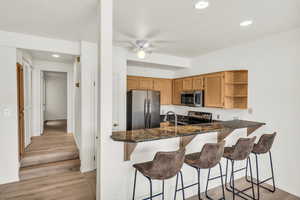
(246, 23)
(202, 4)
(55, 55)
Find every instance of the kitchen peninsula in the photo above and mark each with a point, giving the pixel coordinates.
(186, 133)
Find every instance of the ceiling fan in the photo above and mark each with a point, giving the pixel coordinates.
(142, 47)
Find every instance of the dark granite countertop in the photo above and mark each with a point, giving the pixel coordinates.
(143, 135)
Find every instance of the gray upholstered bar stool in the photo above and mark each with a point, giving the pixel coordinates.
(165, 165)
(208, 158)
(263, 146)
(239, 152)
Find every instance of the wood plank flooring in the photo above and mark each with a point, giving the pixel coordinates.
(216, 193)
(66, 186)
(53, 152)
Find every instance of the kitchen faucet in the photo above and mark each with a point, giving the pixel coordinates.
(171, 112)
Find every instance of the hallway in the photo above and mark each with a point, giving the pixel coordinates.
(53, 152)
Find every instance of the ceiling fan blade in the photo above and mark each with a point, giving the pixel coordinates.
(152, 35)
(127, 35)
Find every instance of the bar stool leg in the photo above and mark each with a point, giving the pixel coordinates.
(208, 176)
(163, 190)
(232, 177)
(221, 174)
(134, 184)
(257, 177)
(183, 195)
(226, 174)
(199, 189)
(176, 187)
(272, 170)
(150, 182)
(252, 184)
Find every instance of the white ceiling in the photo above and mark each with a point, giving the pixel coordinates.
(192, 32)
(47, 56)
(187, 32)
(63, 19)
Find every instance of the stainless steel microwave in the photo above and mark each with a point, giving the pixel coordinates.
(193, 98)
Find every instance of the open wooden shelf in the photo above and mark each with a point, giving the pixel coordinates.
(236, 89)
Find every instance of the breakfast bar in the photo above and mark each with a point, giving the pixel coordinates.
(186, 133)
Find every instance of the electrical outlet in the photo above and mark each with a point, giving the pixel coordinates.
(218, 116)
(250, 110)
(235, 118)
(6, 112)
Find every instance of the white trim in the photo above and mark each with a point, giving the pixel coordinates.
(38, 67)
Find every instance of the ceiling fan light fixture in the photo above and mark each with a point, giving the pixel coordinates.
(202, 4)
(141, 54)
(246, 23)
(55, 55)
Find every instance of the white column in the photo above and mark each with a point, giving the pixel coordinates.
(104, 172)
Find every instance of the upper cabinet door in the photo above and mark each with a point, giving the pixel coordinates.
(198, 83)
(165, 87)
(146, 84)
(177, 89)
(214, 90)
(132, 83)
(187, 84)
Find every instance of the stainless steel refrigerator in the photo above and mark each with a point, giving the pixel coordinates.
(143, 109)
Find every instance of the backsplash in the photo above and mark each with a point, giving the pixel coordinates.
(218, 114)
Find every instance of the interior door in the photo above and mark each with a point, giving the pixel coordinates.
(21, 121)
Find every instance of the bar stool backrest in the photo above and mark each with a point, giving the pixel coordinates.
(243, 148)
(265, 143)
(211, 154)
(167, 164)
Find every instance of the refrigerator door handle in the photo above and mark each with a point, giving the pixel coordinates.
(149, 113)
(145, 113)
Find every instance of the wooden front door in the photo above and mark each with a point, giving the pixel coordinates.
(21, 120)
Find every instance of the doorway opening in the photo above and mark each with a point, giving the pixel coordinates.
(55, 102)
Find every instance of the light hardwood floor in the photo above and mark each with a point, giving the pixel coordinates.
(53, 152)
(66, 186)
(216, 193)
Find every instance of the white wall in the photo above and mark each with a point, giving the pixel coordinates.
(56, 95)
(41, 66)
(274, 85)
(150, 72)
(9, 167)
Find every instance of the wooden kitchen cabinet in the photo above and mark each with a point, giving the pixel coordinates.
(146, 83)
(187, 84)
(177, 89)
(198, 83)
(132, 83)
(165, 86)
(227, 89)
(214, 90)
